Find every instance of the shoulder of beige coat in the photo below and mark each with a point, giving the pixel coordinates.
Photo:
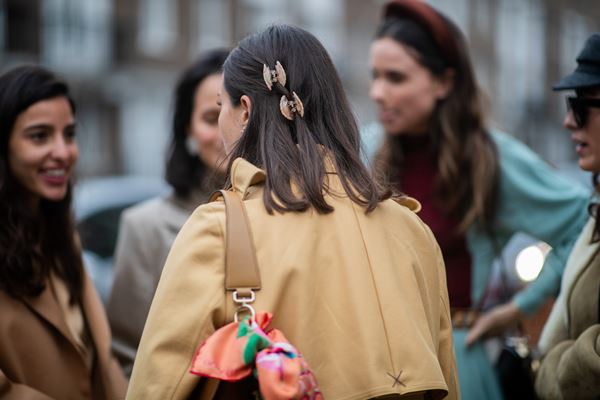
(243, 176)
(409, 202)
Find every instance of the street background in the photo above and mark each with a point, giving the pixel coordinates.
(122, 58)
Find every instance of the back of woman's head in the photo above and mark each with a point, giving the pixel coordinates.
(295, 151)
(457, 125)
(32, 242)
(185, 170)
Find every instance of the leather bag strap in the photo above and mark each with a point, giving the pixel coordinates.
(241, 268)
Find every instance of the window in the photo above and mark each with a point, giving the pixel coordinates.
(22, 26)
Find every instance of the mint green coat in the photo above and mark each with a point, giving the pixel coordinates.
(533, 198)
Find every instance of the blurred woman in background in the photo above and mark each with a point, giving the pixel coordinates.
(570, 340)
(477, 186)
(195, 168)
(54, 336)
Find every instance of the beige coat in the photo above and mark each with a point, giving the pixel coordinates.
(362, 296)
(571, 336)
(40, 359)
(146, 234)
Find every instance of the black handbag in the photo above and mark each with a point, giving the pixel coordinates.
(515, 369)
(515, 363)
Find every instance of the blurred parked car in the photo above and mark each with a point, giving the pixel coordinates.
(98, 205)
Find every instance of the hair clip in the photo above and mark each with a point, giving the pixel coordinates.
(274, 75)
(290, 107)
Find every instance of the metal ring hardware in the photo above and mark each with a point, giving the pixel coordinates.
(243, 307)
(244, 304)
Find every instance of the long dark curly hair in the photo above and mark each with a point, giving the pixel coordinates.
(33, 242)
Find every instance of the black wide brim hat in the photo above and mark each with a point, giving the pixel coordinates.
(587, 73)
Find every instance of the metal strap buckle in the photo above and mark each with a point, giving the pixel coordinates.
(244, 300)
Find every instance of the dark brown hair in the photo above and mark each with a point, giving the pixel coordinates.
(467, 160)
(33, 243)
(292, 152)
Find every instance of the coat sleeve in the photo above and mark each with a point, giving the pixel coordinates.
(188, 305)
(136, 277)
(535, 199)
(571, 369)
(15, 391)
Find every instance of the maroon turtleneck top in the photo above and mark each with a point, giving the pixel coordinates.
(417, 180)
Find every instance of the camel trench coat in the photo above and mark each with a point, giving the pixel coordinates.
(39, 358)
(362, 296)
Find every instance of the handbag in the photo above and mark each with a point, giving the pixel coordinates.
(247, 359)
(515, 368)
(515, 363)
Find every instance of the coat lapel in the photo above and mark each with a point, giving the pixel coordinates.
(581, 256)
(93, 313)
(114, 384)
(46, 306)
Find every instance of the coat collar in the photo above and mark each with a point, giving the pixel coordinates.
(245, 175)
(556, 328)
(46, 306)
(581, 256)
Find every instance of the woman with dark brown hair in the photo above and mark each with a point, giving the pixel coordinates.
(54, 336)
(353, 279)
(477, 186)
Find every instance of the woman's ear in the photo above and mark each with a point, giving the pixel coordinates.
(246, 104)
(445, 84)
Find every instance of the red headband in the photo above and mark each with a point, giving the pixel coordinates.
(430, 20)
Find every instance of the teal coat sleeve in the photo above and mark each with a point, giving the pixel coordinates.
(535, 199)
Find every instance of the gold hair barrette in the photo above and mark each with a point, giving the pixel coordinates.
(289, 107)
(274, 75)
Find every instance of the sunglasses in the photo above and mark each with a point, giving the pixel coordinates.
(580, 106)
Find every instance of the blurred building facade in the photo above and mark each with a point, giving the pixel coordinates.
(122, 58)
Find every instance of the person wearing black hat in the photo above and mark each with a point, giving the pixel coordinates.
(478, 186)
(570, 340)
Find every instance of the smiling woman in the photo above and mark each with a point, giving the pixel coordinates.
(51, 318)
(43, 148)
